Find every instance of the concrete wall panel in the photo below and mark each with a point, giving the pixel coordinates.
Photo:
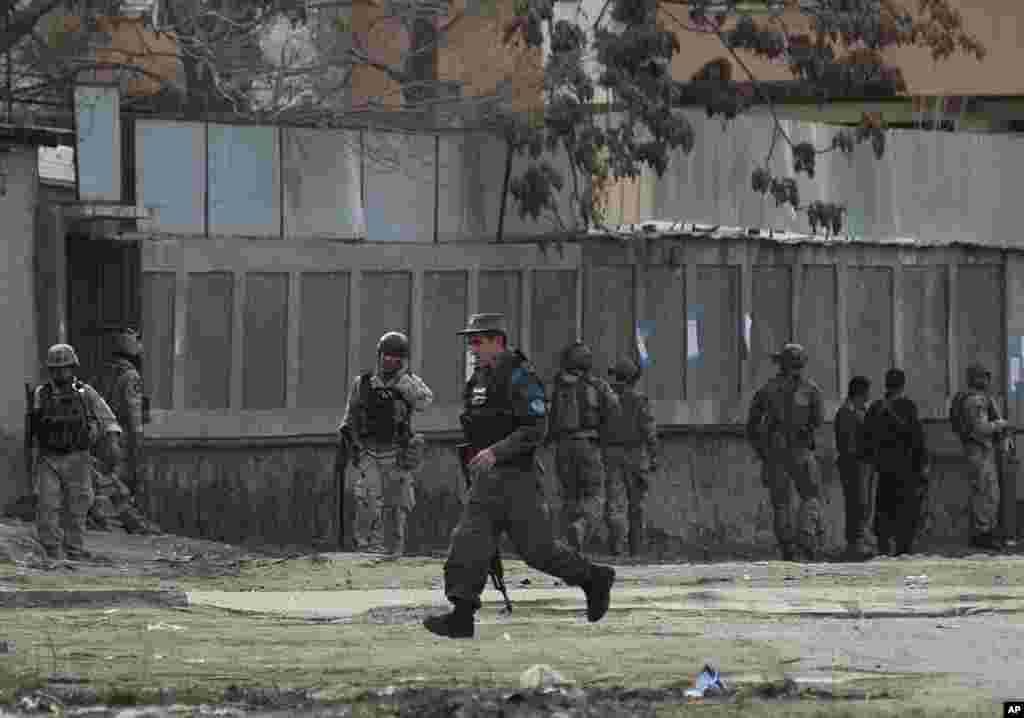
(771, 319)
(323, 340)
(665, 306)
(158, 297)
(554, 318)
(608, 323)
(869, 323)
(926, 346)
(208, 340)
(445, 301)
(717, 370)
(816, 326)
(264, 340)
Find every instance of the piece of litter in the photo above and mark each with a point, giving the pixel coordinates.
(111, 610)
(707, 681)
(507, 637)
(746, 577)
(541, 676)
(195, 660)
(161, 626)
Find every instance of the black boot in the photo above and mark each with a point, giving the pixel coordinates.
(457, 624)
(599, 592)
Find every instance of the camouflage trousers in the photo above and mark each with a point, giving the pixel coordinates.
(984, 489)
(626, 486)
(785, 470)
(63, 485)
(384, 495)
(581, 475)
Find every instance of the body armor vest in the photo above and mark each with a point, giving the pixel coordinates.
(489, 414)
(577, 407)
(62, 419)
(626, 426)
(385, 414)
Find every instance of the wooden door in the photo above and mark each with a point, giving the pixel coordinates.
(104, 291)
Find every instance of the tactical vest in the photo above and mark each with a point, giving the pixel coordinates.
(62, 419)
(489, 414)
(384, 413)
(626, 426)
(958, 419)
(577, 407)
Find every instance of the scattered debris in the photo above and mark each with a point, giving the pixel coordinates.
(542, 676)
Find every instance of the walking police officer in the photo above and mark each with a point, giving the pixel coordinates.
(67, 419)
(378, 425)
(784, 416)
(504, 420)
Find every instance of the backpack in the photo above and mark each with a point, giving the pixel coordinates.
(957, 418)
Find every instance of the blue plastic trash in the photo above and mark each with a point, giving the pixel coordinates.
(708, 679)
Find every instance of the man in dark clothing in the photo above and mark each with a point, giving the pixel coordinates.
(505, 420)
(894, 440)
(855, 473)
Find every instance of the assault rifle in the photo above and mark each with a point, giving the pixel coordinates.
(496, 570)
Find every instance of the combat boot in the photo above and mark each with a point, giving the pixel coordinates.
(599, 592)
(457, 624)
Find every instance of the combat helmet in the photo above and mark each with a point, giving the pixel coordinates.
(127, 342)
(792, 355)
(394, 344)
(624, 370)
(61, 355)
(577, 356)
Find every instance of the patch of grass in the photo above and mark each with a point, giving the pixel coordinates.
(202, 651)
(882, 708)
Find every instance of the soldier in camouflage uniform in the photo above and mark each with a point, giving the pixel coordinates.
(981, 428)
(582, 405)
(378, 420)
(630, 456)
(784, 416)
(116, 492)
(68, 419)
(504, 422)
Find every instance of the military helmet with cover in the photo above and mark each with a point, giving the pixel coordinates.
(577, 356)
(393, 344)
(127, 341)
(624, 370)
(61, 355)
(792, 355)
(977, 370)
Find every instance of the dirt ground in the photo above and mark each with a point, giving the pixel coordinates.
(940, 634)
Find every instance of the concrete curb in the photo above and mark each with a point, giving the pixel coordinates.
(93, 599)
